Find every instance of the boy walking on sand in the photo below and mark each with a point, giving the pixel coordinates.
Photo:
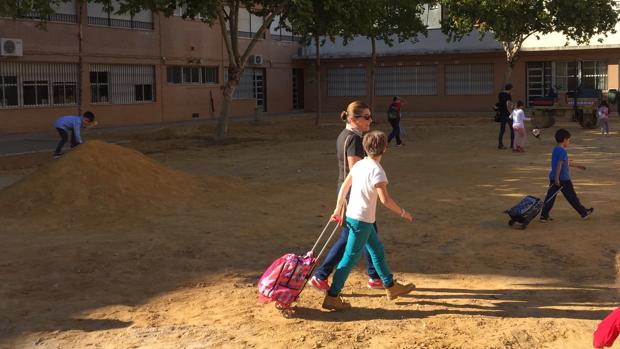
(73, 124)
(367, 181)
(559, 178)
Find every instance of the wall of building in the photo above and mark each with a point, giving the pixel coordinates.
(441, 103)
(173, 41)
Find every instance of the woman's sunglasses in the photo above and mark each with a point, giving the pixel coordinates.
(366, 117)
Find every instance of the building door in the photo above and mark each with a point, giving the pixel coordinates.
(298, 89)
(259, 89)
(539, 79)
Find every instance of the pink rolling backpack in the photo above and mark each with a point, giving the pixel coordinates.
(287, 276)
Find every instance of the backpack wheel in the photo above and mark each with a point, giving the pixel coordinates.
(287, 313)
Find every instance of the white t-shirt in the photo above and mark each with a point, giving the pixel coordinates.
(518, 117)
(365, 174)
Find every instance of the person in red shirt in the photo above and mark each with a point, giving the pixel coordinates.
(394, 119)
(607, 331)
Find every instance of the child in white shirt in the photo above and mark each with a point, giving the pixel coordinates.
(518, 124)
(367, 182)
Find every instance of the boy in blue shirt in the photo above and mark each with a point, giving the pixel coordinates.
(559, 178)
(73, 124)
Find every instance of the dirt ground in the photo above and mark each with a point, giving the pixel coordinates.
(108, 249)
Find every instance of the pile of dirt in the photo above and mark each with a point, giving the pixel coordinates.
(98, 177)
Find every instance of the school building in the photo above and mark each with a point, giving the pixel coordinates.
(437, 77)
(139, 69)
(148, 68)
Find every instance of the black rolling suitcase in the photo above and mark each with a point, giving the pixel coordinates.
(526, 210)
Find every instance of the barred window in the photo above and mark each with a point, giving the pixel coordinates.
(8, 91)
(418, 80)
(122, 84)
(594, 74)
(100, 15)
(346, 82)
(469, 79)
(38, 84)
(192, 75)
(251, 85)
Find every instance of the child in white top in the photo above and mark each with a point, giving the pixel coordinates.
(518, 124)
(367, 181)
(602, 114)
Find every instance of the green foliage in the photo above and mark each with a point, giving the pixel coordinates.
(309, 19)
(385, 19)
(19, 8)
(513, 21)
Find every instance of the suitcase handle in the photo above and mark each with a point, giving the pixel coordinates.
(338, 224)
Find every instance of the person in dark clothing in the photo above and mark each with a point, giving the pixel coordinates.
(504, 105)
(349, 150)
(394, 119)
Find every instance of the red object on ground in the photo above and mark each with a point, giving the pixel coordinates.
(607, 331)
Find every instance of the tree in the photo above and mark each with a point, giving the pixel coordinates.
(313, 21)
(224, 13)
(18, 8)
(384, 20)
(512, 22)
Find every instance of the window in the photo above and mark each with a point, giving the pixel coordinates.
(38, 84)
(64, 92)
(594, 75)
(251, 86)
(99, 15)
(99, 87)
(566, 76)
(418, 80)
(122, 84)
(247, 23)
(280, 33)
(209, 75)
(192, 75)
(346, 82)
(8, 91)
(63, 12)
(36, 92)
(469, 79)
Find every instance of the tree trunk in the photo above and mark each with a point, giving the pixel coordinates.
(373, 68)
(508, 73)
(229, 89)
(318, 81)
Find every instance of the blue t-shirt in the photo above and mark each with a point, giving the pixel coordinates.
(559, 153)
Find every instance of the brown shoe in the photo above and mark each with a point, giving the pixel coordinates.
(398, 290)
(335, 303)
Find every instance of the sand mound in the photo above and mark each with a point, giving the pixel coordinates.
(98, 177)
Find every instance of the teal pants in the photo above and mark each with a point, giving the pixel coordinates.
(361, 235)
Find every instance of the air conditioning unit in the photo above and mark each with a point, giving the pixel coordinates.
(11, 47)
(256, 59)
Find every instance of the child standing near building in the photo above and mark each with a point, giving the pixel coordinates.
(559, 178)
(73, 124)
(367, 181)
(518, 124)
(602, 114)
